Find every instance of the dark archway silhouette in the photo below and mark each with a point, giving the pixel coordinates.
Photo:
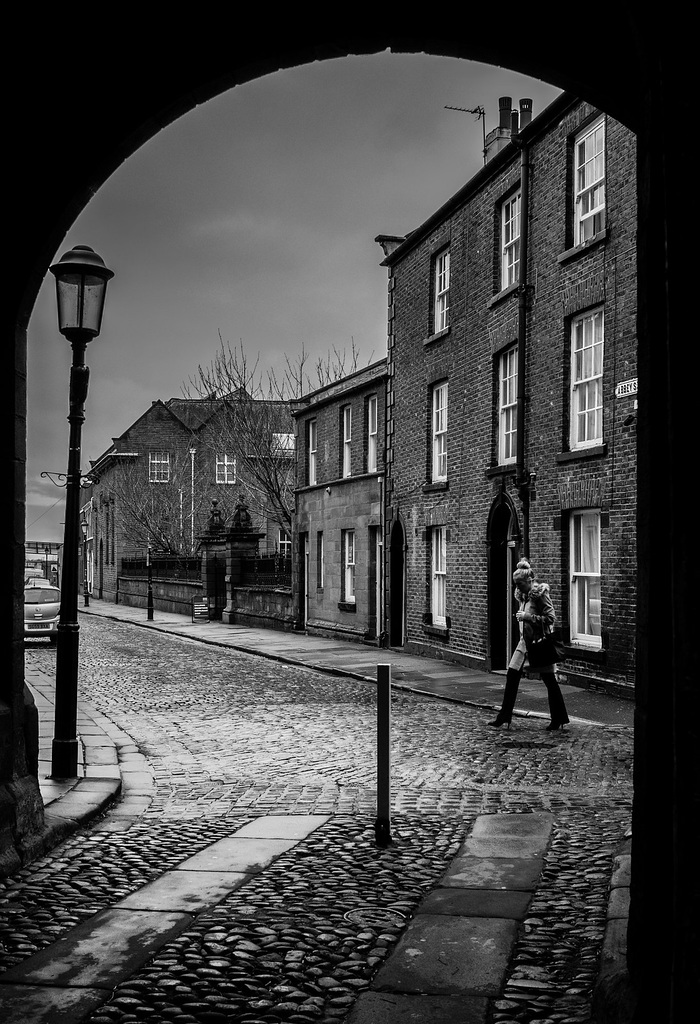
(501, 538)
(87, 94)
(397, 584)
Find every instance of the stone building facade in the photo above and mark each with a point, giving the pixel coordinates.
(511, 399)
(339, 507)
(156, 483)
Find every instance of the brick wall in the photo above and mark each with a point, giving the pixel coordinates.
(484, 321)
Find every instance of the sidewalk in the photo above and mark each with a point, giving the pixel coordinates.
(453, 957)
(359, 661)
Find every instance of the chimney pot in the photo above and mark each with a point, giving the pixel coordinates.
(525, 112)
(514, 122)
(504, 107)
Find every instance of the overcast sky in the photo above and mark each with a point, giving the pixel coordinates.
(254, 216)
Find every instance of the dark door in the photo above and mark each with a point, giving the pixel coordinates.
(397, 584)
(502, 545)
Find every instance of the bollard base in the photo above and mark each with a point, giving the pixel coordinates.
(382, 832)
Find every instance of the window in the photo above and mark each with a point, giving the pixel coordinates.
(349, 566)
(311, 451)
(320, 566)
(284, 543)
(372, 434)
(440, 432)
(510, 241)
(347, 441)
(158, 467)
(438, 588)
(441, 310)
(589, 183)
(225, 469)
(587, 380)
(507, 407)
(283, 445)
(584, 547)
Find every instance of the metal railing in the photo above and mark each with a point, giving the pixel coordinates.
(165, 567)
(267, 571)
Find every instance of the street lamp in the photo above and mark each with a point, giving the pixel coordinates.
(86, 593)
(81, 287)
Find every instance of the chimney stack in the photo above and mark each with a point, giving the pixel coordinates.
(525, 113)
(504, 107)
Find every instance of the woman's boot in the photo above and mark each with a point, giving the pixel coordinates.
(557, 708)
(511, 692)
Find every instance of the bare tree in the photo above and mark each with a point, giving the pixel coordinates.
(162, 515)
(254, 419)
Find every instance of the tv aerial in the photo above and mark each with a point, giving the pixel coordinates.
(480, 116)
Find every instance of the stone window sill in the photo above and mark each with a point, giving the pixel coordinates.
(582, 453)
(437, 336)
(579, 250)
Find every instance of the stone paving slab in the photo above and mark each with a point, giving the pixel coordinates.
(283, 826)
(186, 891)
(494, 873)
(34, 1004)
(399, 1008)
(535, 825)
(235, 854)
(477, 903)
(512, 847)
(101, 951)
(444, 955)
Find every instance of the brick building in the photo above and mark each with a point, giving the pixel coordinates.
(339, 501)
(156, 483)
(511, 401)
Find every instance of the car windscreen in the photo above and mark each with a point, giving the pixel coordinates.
(41, 595)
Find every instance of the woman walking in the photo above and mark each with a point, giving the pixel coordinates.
(535, 607)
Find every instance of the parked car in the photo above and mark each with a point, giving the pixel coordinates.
(37, 581)
(41, 610)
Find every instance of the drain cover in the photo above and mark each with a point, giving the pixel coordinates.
(375, 917)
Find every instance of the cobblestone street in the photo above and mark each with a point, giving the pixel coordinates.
(229, 737)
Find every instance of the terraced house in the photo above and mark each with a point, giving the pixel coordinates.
(511, 398)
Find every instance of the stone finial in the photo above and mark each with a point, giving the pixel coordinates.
(241, 516)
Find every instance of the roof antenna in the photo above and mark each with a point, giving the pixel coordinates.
(480, 115)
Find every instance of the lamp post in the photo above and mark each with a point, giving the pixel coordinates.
(86, 592)
(81, 287)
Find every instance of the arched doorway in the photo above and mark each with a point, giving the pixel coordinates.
(648, 87)
(502, 539)
(397, 584)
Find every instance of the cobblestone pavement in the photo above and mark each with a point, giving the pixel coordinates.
(228, 737)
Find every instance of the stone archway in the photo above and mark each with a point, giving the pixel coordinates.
(122, 96)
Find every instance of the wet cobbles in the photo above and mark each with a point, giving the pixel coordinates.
(299, 942)
(229, 737)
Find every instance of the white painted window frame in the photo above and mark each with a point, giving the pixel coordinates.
(159, 467)
(349, 566)
(510, 240)
(372, 434)
(439, 431)
(225, 468)
(438, 586)
(587, 362)
(347, 440)
(589, 182)
(585, 579)
(441, 308)
(507, 406)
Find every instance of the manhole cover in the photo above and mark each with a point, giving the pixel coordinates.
(374, 917)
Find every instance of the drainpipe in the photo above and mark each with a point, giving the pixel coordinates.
(522, 477)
